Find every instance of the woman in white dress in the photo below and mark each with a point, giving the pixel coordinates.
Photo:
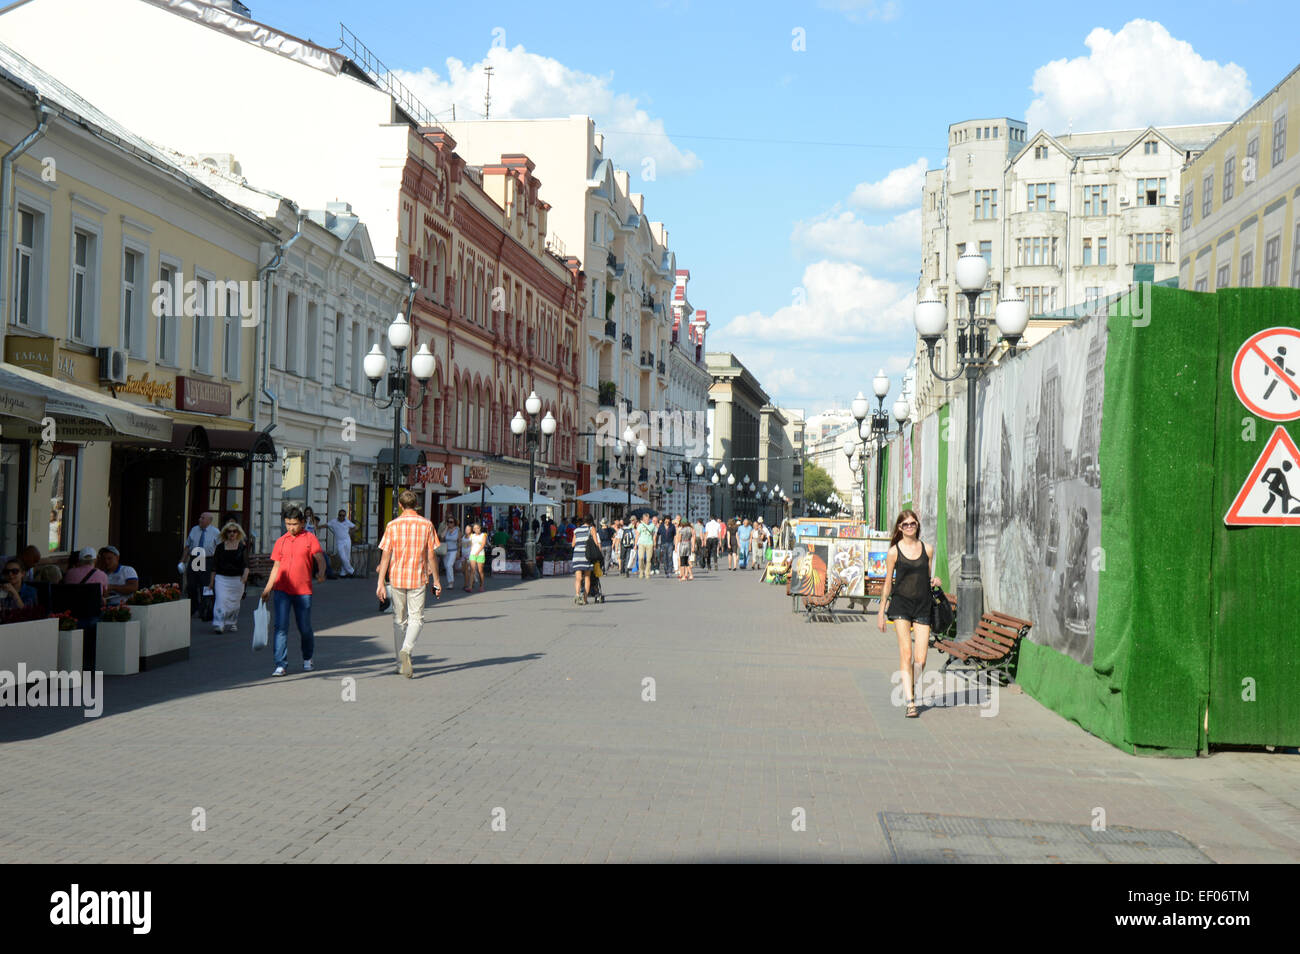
(229, 574)
(449, 560)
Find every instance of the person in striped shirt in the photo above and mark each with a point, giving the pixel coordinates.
(410, 547)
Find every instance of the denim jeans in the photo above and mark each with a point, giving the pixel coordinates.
(301, 605)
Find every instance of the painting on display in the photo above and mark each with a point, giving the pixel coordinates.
(808, 565)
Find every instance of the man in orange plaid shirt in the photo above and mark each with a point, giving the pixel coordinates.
(410, 558)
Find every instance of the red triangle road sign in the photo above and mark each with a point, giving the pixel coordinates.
(1271, 495)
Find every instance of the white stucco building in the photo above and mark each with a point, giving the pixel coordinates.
(1065, 220)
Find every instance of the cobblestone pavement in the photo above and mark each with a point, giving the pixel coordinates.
(528, 713)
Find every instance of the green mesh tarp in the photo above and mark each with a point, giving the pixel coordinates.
(1254, 681)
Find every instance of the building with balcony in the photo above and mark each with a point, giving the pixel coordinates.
(1065, 220)
(628, 267)
(688, 397)
(1239, 221)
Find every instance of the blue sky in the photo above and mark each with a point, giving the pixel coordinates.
(773, 163)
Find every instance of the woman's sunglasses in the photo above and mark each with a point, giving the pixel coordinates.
(910, 523)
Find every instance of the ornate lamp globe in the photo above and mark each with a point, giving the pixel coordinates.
(972, 269)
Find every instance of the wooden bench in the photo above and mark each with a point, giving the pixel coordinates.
(259, 569)
(994, 646)
(826, 600)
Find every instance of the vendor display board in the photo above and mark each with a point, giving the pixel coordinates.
(827, 549)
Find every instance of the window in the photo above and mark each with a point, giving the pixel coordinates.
(1040, 298)
(1101, 251)
(1187, 209)
(1087, 251)
(202, 325)
(81, 318)
(1247, 275)
(1151, 147)
(1040, 152)
(1037, 250)
(995, 136)
(356, 380)
(289, 361)
(1096, 199)
(1229, 177)
(310, 340)
(168, 290)
(63, 495)
(978, 132)
(1207, 195)
(1250, 168)
(1202, 284)
(984, 305)
(340, 369)
(13, 499)
(986, 249)
(230, 338)
(1272, 260)
(1093, 293)
(293, 483)
(986, 203)
(1223, 276)
(1279, 140)
(133, 336)
(1041, 196)
(27, 273)
(1295, 258)
(1151, 192)
(1147, 247)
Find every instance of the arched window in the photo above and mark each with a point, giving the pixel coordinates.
(460, 414)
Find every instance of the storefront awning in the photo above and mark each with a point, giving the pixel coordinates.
(32, 396)
(410, 457)
(216, 445)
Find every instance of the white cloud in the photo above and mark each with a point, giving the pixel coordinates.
(898, 190)
(530, 86)
(838, 304)
(893, 246)
(1137, 77)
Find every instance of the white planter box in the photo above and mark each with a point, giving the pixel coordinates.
(117, 648)
(71, 642)
(35, 643)
(164, 632)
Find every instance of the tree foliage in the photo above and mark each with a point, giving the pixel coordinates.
(817, 484)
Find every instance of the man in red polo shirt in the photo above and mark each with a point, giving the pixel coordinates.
(298, 557)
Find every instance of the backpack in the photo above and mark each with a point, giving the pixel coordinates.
(629, 539)
(594, 553)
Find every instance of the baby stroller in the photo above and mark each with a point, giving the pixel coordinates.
(596, 594)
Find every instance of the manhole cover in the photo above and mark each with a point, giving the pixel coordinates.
(924, 838)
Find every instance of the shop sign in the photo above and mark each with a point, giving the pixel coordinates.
(427, 474)
(32, 354)
(209, 397)
(476, 473)
(149, 389)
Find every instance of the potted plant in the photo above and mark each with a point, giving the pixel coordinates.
(30, 637)
(164, 620)
(71, 640)
(117, 642)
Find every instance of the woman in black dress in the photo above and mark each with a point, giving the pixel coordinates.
(907, 592)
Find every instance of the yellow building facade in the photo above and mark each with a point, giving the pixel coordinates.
(132, 290)
(1238, 212)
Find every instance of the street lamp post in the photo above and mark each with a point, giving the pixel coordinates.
(876, 428)
(974, 356)
(626, 453)
(376, 365)
(537, 435)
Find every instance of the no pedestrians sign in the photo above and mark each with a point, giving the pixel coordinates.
(1264, 374)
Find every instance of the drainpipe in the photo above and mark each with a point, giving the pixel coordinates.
(43, 116)
(265, 276)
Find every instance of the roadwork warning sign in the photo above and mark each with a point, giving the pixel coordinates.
(1271, 495)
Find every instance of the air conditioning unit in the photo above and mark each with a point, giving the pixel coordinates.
(1123, 200)
(112, 364)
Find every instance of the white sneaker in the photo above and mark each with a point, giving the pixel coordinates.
(404, 663)
(279, 671)
(307, 666)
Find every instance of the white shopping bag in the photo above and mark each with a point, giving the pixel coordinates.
(261, 623)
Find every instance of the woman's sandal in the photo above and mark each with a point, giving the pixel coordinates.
(912, 711)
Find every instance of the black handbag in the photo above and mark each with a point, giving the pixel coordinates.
(942, 617)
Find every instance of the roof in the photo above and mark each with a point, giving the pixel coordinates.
(71, 106)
